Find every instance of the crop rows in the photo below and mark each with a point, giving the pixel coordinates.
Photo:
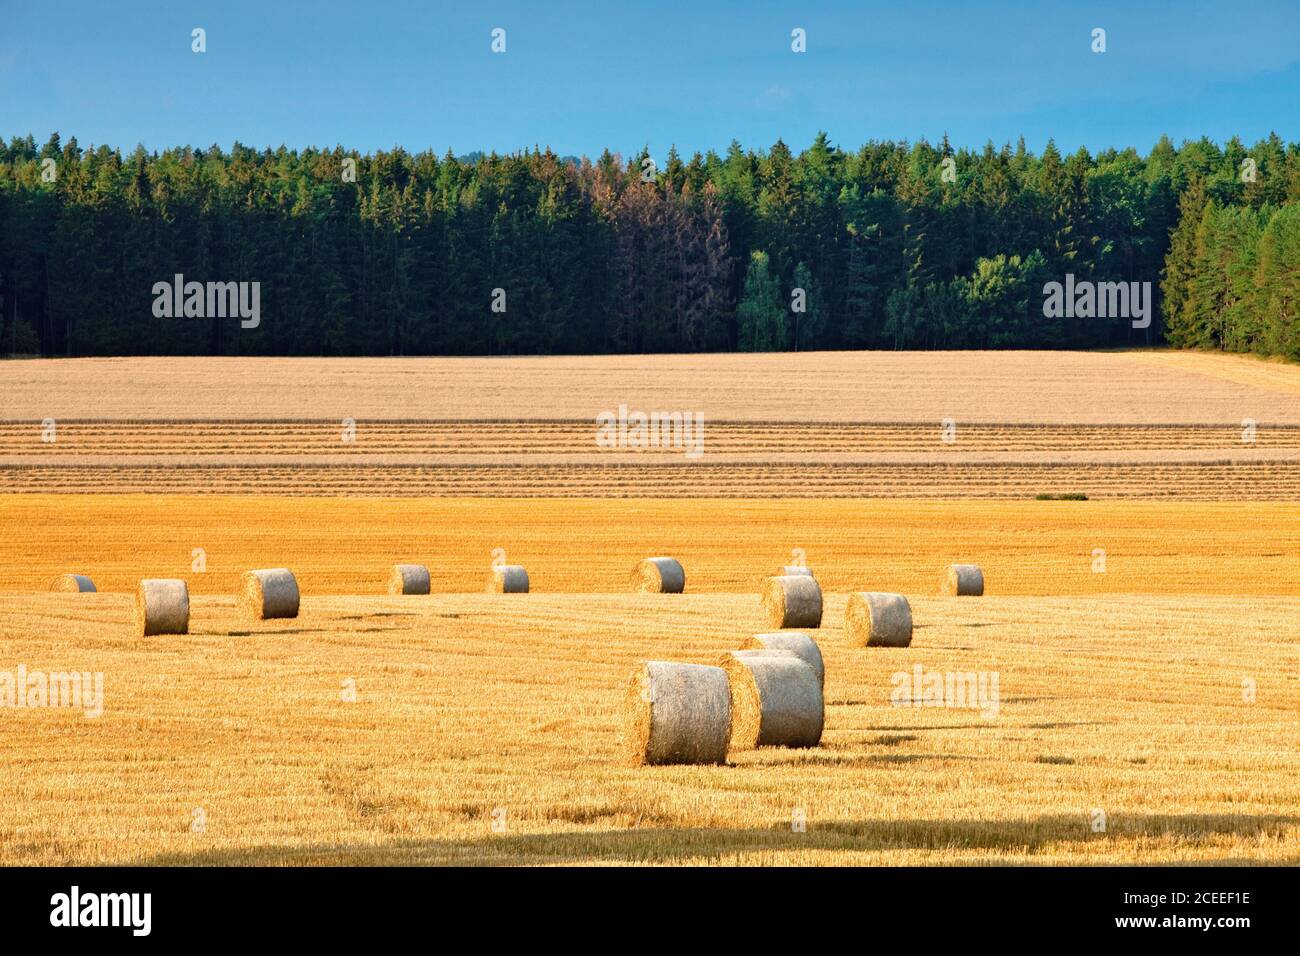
(1218, 480)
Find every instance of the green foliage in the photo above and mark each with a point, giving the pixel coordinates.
(1235, 275)
(403, 259)
(761, 316)
(1180, 266)
(1277, 283)
(999, 305)
(809, 326)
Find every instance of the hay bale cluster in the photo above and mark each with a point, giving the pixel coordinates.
(770, 692)
(758, 696)
(775, 683)
(269, 593)
(659, 576)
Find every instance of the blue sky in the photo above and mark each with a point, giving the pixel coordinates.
(582, 76)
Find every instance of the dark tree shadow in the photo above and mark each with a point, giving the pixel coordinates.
(701, 845)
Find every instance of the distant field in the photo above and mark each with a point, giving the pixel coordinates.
(1008, 387)
(828, 425)
(473, 710)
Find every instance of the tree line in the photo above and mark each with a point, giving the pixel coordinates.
(894, 245)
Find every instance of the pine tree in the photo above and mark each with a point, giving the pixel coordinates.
(1206, 297)
(808, 326)
(760, 315)
(1277, 279)
(1241, 322)
(1180, 268)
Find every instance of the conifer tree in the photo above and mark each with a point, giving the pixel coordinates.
(760, 314)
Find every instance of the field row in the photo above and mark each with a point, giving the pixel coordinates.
(349, 545)
(127, 439)
(485, 729)
(925, 387)
(1219, 480)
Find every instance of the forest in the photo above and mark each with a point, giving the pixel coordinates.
(892, 246)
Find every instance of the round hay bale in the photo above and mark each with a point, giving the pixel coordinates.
(677, 713)
(659, 576)
(269, 593)
(797, 569)
(77, 583)
(876, 619)
(801, 645)
(162, 606)
(409, 579)
(964, 580)
(508, 579)
(776, 700)
(792, 600)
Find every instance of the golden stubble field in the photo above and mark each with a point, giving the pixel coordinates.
(485, 730)
(1146, 643)
(578, 546)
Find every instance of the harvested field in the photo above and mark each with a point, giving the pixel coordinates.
(523, 440)
(1017, 387)
(1143, 719)
(1142, 643)
(873, 426)
(1219, 480)
(348, 545)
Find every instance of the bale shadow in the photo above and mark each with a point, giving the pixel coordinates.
(893, 740)
(366, 617)
(986, 725)
(1027, 700)
(844, 760)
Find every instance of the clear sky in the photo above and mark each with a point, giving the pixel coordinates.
(581, 76)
